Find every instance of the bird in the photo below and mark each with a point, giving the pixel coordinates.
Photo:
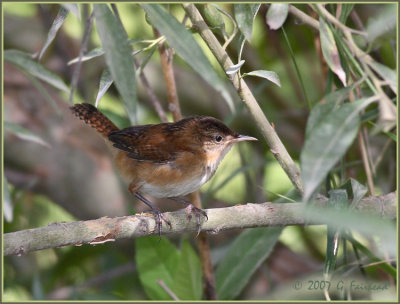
(165, 160)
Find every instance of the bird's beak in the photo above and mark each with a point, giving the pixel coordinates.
(243, 138)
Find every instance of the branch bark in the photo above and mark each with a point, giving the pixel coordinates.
(108, 229)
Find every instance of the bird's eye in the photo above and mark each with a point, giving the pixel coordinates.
(218, 138)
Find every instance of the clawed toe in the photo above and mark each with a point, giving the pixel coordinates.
(190, 209)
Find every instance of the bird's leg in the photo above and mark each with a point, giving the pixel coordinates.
(190, 209)
(157, 213)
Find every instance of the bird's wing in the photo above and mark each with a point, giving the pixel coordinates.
(145, 143)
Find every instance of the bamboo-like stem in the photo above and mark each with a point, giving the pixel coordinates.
(268, 132)
(107, 229)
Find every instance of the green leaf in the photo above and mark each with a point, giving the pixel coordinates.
(245, 255)
(327, 142)
(96, 52)
(328, 104)
(389, 75)
(73, 8)
(25, 62)
(346, 10)
(186, 47)
(277, 14)
(368, 224)
(24, 134)
(57, 23)
(244, 16)
(269, 75)
(337, 200)
(106, 81)
(213, 17)
(355, 190)
(118, 56)
(156, 260)
(330, 51)
(383, 23)
(8, 207)
(188, 283)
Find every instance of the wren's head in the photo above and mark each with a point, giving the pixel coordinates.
(216, 139)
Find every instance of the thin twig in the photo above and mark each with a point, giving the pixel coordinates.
(304, 18)
(83, 50)
(155, 102)
(168, 71)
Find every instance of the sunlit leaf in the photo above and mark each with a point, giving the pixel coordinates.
(277, 14)
(57, 23)
(118, 56)
(269, 75)
(327, 142)
(89, 55)
(186, 47)
(106, 81)
(330, 51)
(25, 62)
(8, 207)
(243, 258)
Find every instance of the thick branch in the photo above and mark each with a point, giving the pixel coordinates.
(240, 216)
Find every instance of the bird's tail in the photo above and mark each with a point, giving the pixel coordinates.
(94, 118)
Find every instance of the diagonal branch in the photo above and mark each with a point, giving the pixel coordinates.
(270, 135)
(107, 229)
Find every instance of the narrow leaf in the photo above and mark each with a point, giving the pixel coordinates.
(57, 23)
(156, 260)
(106, 81)
(73, 8)
(389, 75)
(246, 254)
(118, 56)
(277, 14)
(330, 51)
(24, 134)
(186, 47)
(244, 16)
(346, 10)
(25, 62)
(188, 283)
(269, 75)
(8, 207)
(337, 200)
(327, 142)
(96, 52)
(384, 22)
(232, 70)
(328, 104)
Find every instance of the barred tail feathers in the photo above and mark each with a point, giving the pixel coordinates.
(94, 118)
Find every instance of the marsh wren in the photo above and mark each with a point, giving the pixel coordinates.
(166, 160)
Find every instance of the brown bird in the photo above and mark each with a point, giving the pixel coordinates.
(167, 160)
